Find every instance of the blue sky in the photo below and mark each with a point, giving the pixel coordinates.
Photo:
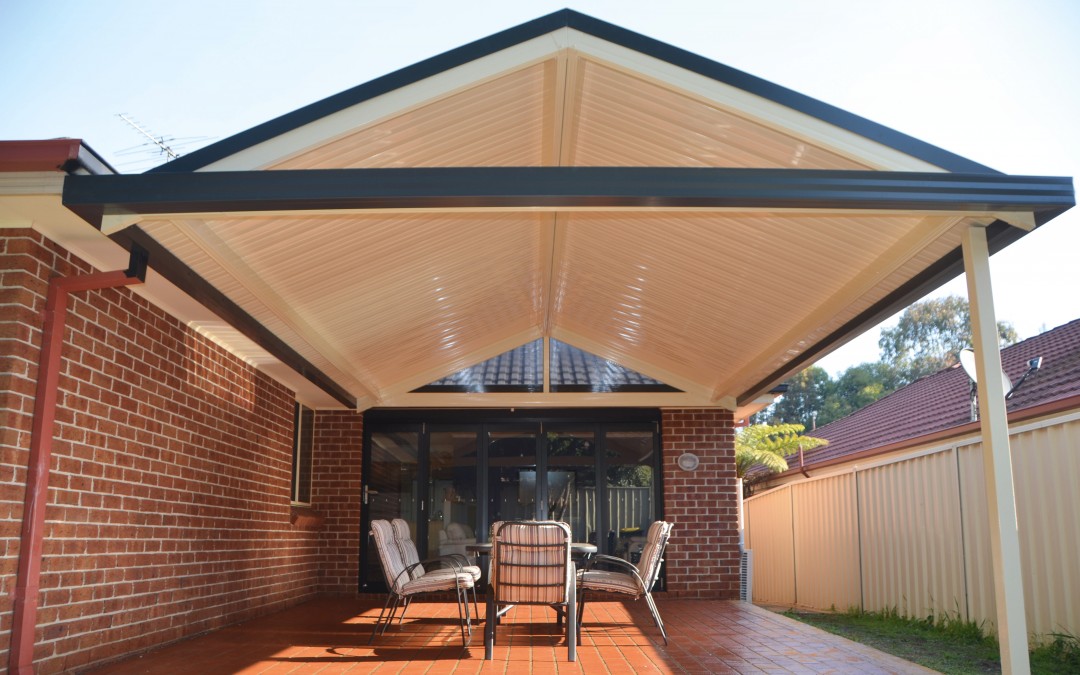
(997, 81)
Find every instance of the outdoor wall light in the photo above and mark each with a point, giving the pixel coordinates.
(688, 461)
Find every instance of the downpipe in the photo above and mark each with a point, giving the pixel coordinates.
(27, 593)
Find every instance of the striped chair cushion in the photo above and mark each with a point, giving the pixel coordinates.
(411, 556)
(610, 581)
(436, 582)
(655, 541)
(531, 563)
(389, 554)
(403, 539)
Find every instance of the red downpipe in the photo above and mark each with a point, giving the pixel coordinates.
(27, 589)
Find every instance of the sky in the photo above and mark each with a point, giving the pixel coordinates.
(996, 81)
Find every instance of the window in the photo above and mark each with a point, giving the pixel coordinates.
(303, 442)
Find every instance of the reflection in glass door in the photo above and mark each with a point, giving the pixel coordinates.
(452, 493)
(511, 477)
(571, 481)
(630, 489)
(390, 489)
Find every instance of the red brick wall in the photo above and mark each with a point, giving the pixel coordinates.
(335, 495)
(703, 554)
(169, 492)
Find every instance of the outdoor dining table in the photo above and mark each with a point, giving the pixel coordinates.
(577, 549)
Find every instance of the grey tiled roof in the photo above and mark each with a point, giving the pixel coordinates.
(524, 367)
(942, 400)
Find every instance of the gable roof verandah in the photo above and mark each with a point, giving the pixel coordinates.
(643, 202)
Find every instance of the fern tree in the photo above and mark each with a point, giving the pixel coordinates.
(768, 445)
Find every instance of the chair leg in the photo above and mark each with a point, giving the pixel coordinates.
(571, 623)
(656, 616)
(489, 625)
(463, 614)
(404, 608)
(375, 628)
(581, 612)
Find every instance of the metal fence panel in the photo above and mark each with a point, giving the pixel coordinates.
(768, 517)
(826, 531)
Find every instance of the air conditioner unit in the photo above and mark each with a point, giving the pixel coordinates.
(746, 576)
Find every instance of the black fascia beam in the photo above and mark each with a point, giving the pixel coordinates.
(93, 197)
(186, 279)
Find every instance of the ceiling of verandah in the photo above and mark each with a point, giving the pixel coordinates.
(713, 301)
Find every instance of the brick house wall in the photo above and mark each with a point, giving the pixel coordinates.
(703, 555)
(335, 497)
(169, 508)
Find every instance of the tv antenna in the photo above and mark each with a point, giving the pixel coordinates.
(158, 141)
(967, 362)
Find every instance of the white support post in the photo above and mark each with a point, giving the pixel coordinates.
(997, 459)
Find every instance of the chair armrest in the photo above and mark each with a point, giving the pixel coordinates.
(442, 560)
(608, 560)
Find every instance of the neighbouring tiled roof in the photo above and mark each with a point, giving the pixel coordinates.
(524, 367)
(942, 400)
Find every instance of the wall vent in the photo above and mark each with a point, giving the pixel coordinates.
(746, 576)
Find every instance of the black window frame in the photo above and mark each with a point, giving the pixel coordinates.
(303, 455)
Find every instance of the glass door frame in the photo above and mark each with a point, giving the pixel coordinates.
(427, 421)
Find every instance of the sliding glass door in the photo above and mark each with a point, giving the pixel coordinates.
(451, 474)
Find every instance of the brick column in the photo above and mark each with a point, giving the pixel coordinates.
(339, 436)
(703, 555)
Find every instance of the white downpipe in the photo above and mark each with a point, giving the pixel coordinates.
(742, 521)
(997, 459)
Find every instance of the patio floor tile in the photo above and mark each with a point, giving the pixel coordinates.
(330, 636)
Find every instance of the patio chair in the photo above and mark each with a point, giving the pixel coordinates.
(627, 578)
(402, 586)
(448, 564)
(530, 565)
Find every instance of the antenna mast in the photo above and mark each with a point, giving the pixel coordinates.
(160, 142)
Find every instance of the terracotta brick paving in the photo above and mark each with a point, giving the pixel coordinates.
(330, 636)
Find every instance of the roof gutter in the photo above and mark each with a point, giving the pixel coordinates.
(69, 155)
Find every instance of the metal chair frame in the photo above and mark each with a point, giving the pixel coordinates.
(402, 586)
(629, 569)
(455, 564)
(498, 586)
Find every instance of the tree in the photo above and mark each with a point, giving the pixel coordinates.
(769, 445)
(806, 394)
(929, 336)
(857, 387)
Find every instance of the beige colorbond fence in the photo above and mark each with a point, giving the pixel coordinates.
(911, 533)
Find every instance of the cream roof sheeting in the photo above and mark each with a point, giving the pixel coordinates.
(716, 301)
